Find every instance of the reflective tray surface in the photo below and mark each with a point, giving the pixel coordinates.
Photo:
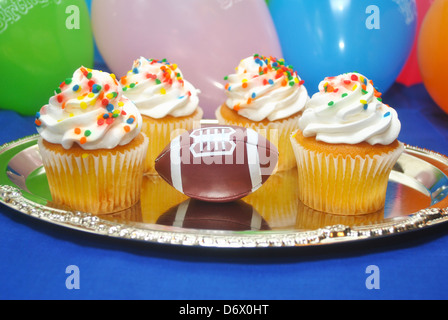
(417, 197)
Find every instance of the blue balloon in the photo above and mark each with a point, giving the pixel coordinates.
(323, 38)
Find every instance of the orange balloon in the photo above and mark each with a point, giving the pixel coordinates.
(433, 52)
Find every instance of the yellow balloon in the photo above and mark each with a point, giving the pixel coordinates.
(433, 52)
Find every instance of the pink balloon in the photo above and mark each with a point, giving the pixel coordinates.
(410, 74)
(205, 38)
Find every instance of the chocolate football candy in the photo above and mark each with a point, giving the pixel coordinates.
(230, 216)
(217, 163)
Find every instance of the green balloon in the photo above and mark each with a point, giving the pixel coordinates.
(42, 42)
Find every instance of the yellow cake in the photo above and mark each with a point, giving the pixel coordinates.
(346, 147)
(268, 96)
(169, 104)
(91, 145)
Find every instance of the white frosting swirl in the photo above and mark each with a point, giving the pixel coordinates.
(348, 109)
(89, 110)
(159, 89)
(265, 88)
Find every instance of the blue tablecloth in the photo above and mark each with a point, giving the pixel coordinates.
(35, 254)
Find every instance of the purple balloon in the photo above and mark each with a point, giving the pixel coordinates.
(205, 38)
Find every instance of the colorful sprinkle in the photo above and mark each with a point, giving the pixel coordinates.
(387, 114)
(331, 103)
(130, 120)
(96, 88)
(84, 71)
(77, 131)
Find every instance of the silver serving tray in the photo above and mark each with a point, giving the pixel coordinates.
(417, 198)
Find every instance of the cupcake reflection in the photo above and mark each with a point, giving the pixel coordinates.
(231, 216)
(127, 216)
(276, 200)
(157, 197)
(310, 219)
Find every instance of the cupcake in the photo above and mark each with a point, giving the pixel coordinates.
(268, 96)
(169, 104)
(346, 147)
(91, 145)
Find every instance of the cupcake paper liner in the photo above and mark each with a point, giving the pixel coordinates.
(343, 184)
(96, 182)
